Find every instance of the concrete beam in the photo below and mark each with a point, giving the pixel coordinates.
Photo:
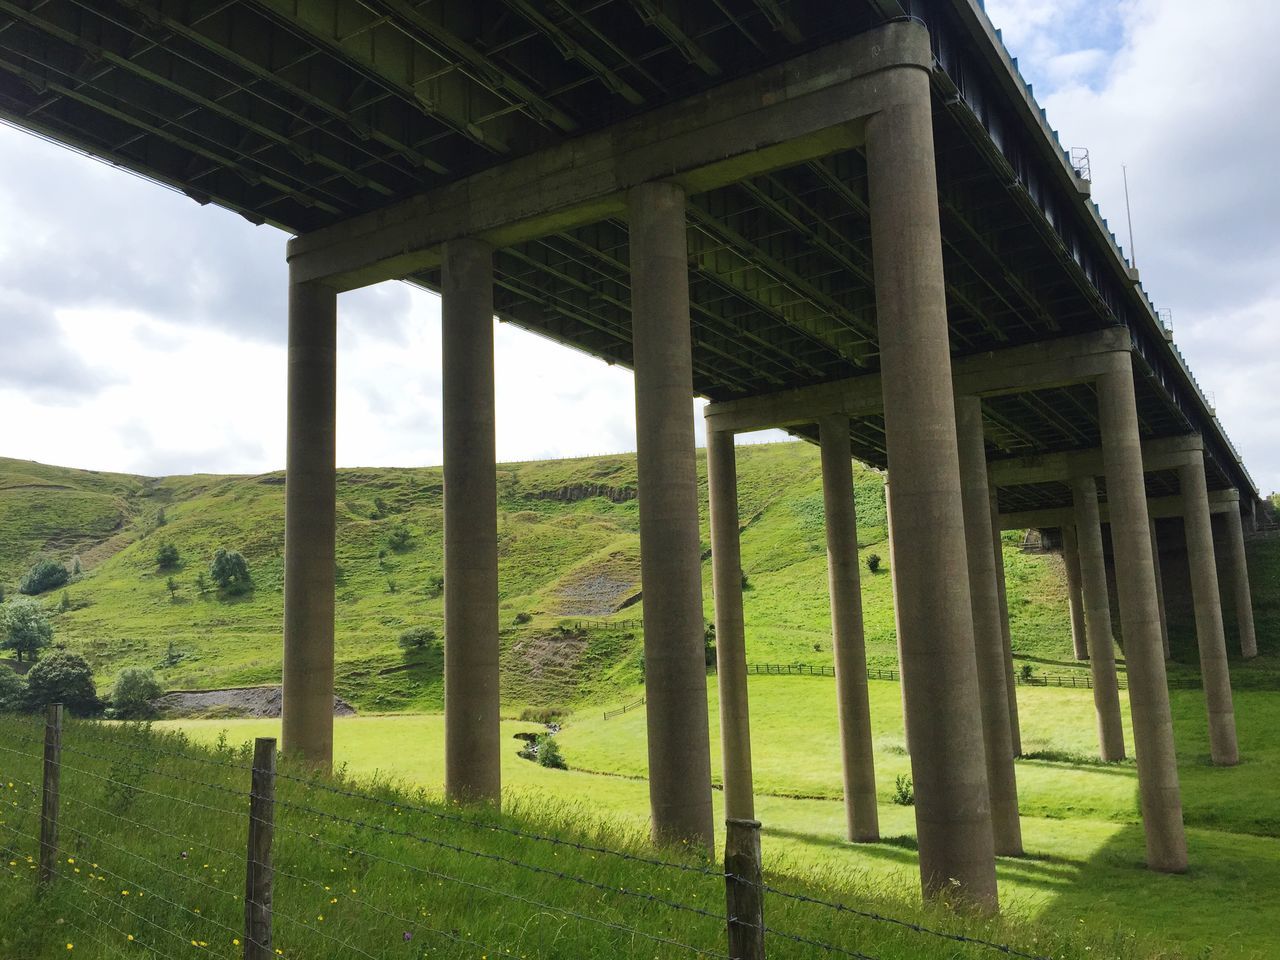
(800, 110)
(1167, 453)
(1158, 508)
(1035, 366)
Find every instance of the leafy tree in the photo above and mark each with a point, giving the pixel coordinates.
(131, 697)
(45, 575)
(24, 627)
(418, 638)
(172, 584)
(548, 752)
(63, 677)
(167, 557)
(13, 691)
(230, 572)
(399, 537)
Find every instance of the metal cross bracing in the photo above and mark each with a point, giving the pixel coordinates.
(301, 113)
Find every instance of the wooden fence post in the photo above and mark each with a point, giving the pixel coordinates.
(744, 889)
(49, 799)
(258, 871)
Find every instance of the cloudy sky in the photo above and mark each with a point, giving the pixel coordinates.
(140, 332)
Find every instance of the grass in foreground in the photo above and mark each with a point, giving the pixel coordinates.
(152, 864)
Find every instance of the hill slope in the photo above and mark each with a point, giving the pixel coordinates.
(569, 552)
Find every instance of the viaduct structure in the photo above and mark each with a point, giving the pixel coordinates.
(847, 219)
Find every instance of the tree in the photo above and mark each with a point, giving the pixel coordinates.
(167, 557)
(25, 627)
(709, 643)
(417, 638)
(172, 584)
(202, 585)
(399, 537)
(13, 691)
(63, 677)
(873, 562)
(45, 575)
(230, 572)
(131, 697)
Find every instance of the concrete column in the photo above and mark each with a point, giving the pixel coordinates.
(1006, 635)
(953, 810)
(1071, 560)
(897, 615)
(1210, 636)
(731, 645)
(1240, 584)
(472, 752)
(1097, 618)
(1160, 793)
(309, 524)
(1155, 561)
(993, 672)
(670, 562)
(847, 642)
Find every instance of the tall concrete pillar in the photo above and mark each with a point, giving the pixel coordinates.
(847, 642)
(731, 645)
(1240, 584)
(1210, 635)
(670, 561)
(309, 524)
(1071, 560)
(1155, 561)
(953, 810)
(1160, 793)
(897, 615)
(1006, 635)
(988, 638)
(1097, 618)
(472, 753)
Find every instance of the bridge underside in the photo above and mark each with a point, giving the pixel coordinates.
(692, 190)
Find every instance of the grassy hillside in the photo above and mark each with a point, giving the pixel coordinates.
(569, 550)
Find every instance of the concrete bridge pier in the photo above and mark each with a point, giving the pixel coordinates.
(310, 524)
(1155, 562)
(1006, 635)
(1097, 617)
(847, 641)
(1239, 568)
(993, 670)
(1161, 798)
(953, 811)
(471, 698)
(1210, 636)
(731, 647)
(670, 549)
(1071, 560)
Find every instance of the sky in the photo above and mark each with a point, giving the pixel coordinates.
(140, 332)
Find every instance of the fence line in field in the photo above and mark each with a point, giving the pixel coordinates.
(277, 814)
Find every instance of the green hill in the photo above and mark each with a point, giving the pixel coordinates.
(569, 573)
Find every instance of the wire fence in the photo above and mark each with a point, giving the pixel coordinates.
(158, 848)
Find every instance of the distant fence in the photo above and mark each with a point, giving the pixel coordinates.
(141, 843)
(625, 708)
(633, 624)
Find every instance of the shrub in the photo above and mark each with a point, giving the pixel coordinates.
(873, 562)
(399, 537)
(76, 568)
(543, 715)
(904, 791)
(24, 628)
(418, 638)
(202, 585)
(230, 572)
(709, 643)
(131, 697)
(548, 752)
(167, 557)
(746, 583)
(172, 584)
(63, 677)
(435, 585)
(1028, 672)
(13, 690)
(65, 603)
(45, 575)
(523, 617)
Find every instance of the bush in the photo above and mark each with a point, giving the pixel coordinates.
(65, 603)
(904, 791)
(435, 585)
(873, 562)
(24, 628)
(45, 575)
(1028, 672)
(523, 617)
(167, 557)
(131, 697)
(399, 537)
(746, 584)
(548, 752)
(13, 690)
(230, 572)
(63, 677)
(418, 638)
(543, 715)
(709, 644)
